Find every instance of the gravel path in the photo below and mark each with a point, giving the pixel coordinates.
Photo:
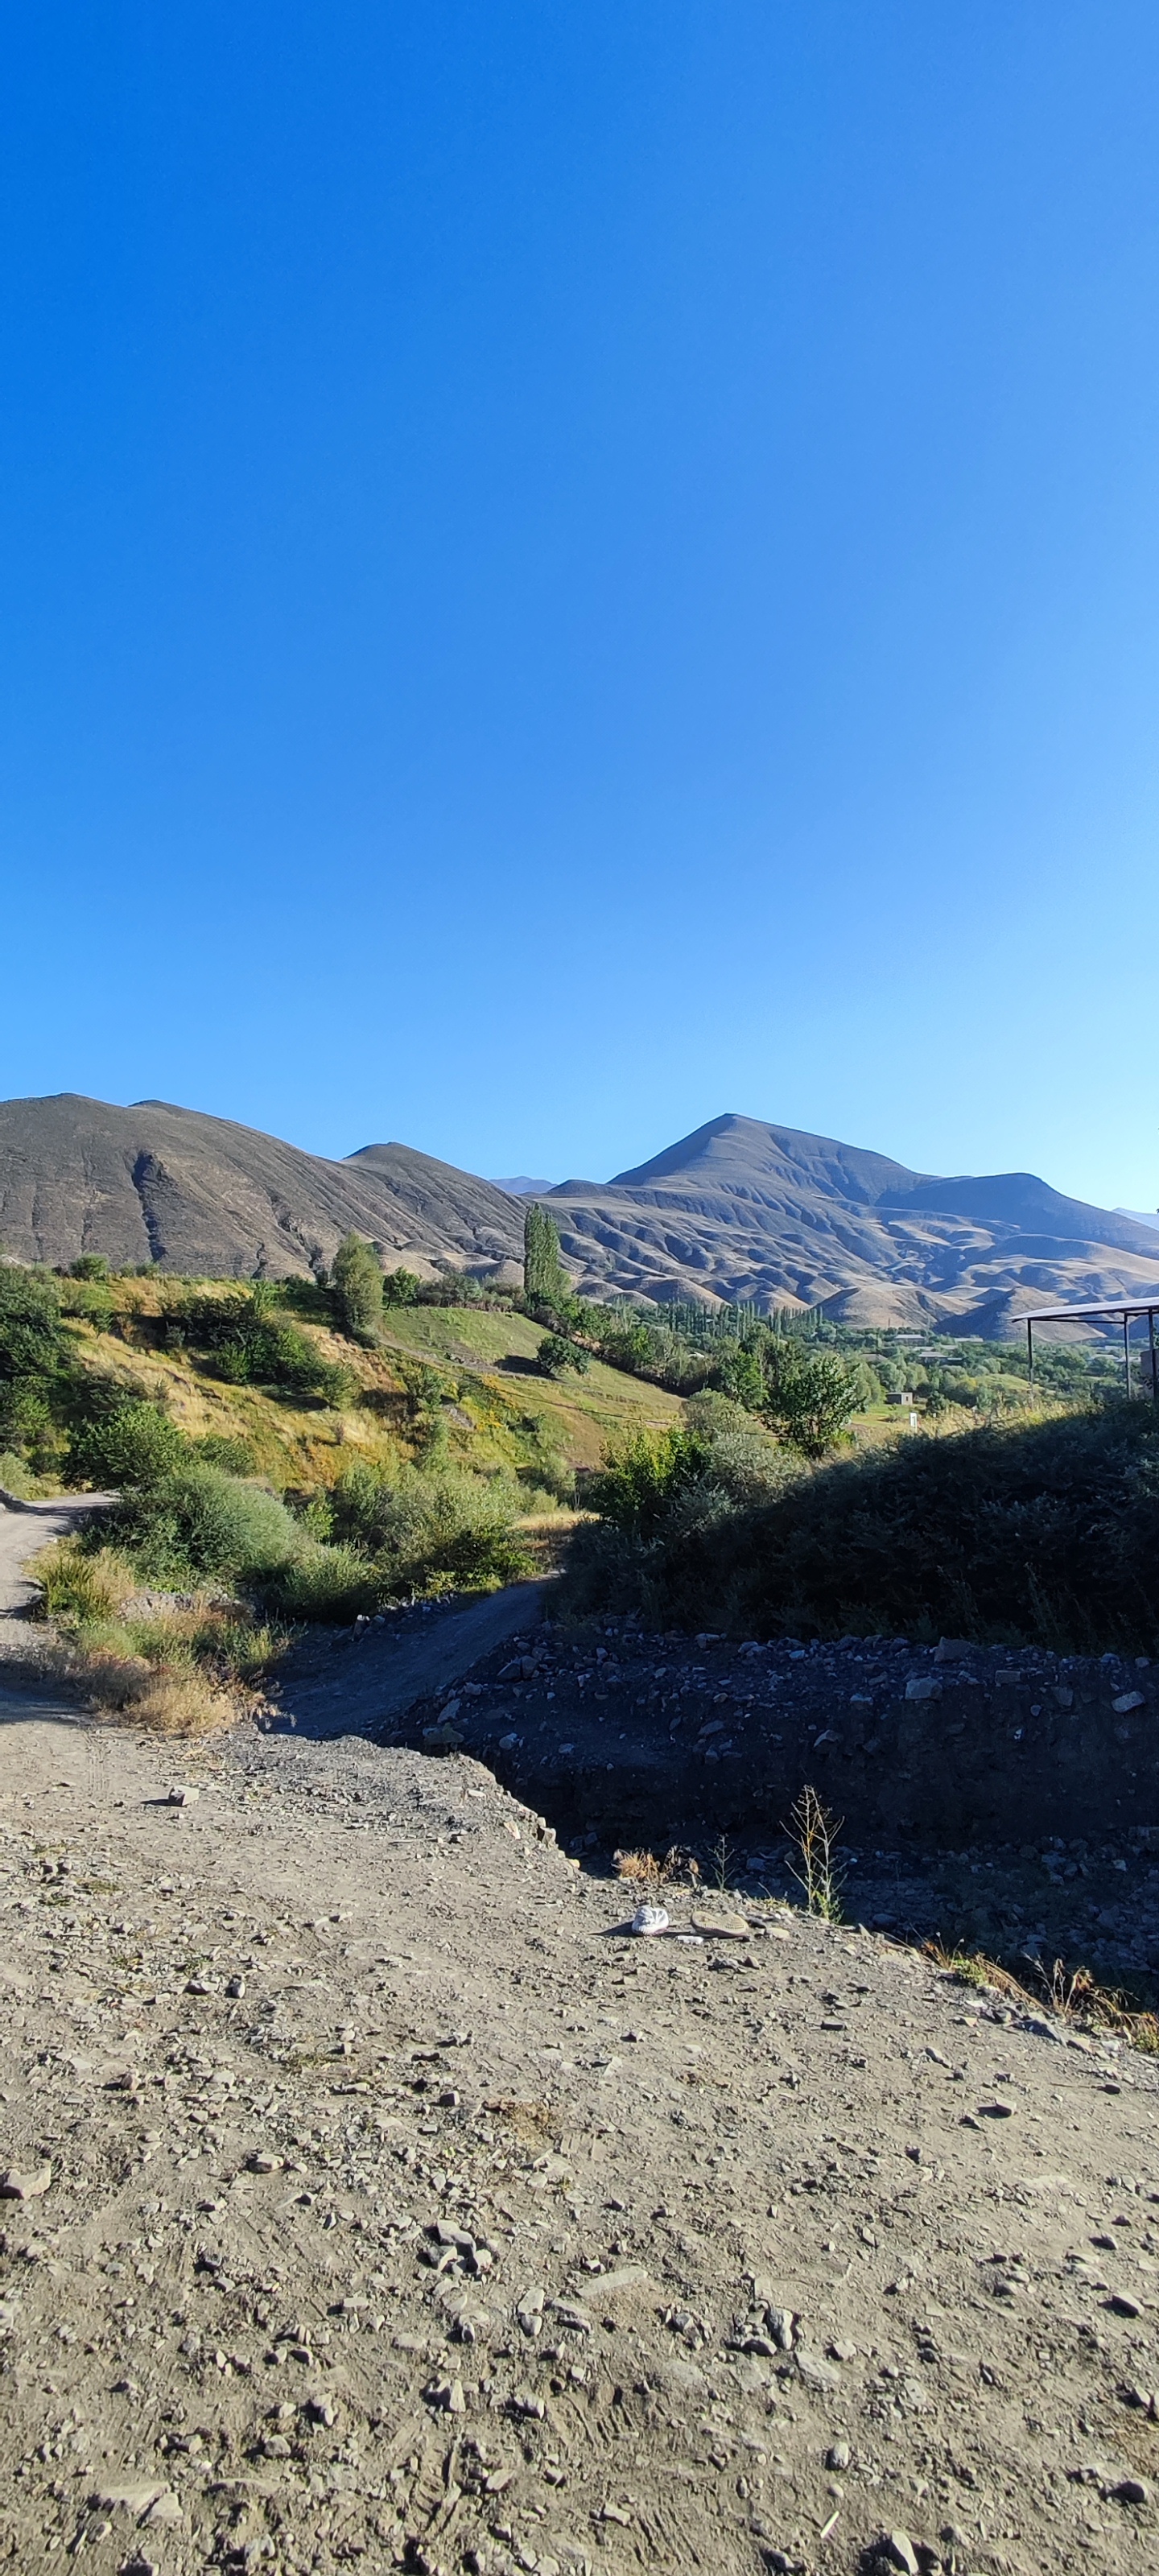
(27, 1527)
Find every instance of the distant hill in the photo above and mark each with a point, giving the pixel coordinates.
(203, 1196)
(740, 1209)
(523, 1187)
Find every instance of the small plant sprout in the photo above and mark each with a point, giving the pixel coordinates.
(723, 1856)
(813, 1833)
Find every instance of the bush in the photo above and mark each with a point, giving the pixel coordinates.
(134, 1445)
(1041, 1533)
(324, 1583)
(556, 1353)
(221, 1449)
(199, 1521)
(428, 1532)
(29, 1326)
(89, 1265)
(400, 1288)
(356, 1285)
(641, 1477)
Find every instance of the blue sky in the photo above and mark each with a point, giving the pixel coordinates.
(569, 568)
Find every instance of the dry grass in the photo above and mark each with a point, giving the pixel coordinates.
(814, 1833)
(190, 1669)
(642, 1870)
(1073, 1995)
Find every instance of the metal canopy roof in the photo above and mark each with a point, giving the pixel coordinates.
(1121, 1306)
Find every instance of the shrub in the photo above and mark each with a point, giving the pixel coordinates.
(1038, 1533)
(89, 1265)
(134, 1445)
(221, 1449)
(356, 1285)
(29, 1326)
(324, 1583)
(642, 1476)
(400, 1288)
(199, 1521)
(556, 1353)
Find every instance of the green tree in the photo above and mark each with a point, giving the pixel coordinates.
(545, 1281)
(401, 1287)
(29, 1326)
(356, 1280)
(811, 1394)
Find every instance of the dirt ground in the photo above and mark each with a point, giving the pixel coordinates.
(388, 2203)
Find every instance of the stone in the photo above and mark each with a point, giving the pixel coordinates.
(184, 1797)
(842, 2350)
(444, 1737)
(1130, 2491)
(838, 2456)
(923, 1686)
(29, 2185)
(1121, 2304)
(1126, 1701)
(780, 2322)
(951, 1650)
(898, 2550)
(605, 2284)
(263, 2163)
(139, 2499)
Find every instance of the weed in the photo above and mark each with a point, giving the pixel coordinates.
(813, 1832)
(1070, 1994)
(723, 1855)
(648, 1875)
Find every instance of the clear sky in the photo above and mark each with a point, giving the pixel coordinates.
(567, 568)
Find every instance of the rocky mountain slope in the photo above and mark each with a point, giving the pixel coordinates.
(203, 1196)
(743, 1209)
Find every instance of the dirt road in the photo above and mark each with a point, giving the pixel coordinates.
(390, 2206)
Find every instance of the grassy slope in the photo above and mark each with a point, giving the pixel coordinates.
(504, 1412)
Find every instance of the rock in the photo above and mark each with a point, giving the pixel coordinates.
(1130, 2491)
(443, 1737)
(996, 2110)
(30, 2185)
(816, 2373)
(139, 2499)
(605, 2284)
(1121, 2304)
(1126, 1701)
(897, 2550)
(264, 2163)
(842, 2350)
(838, 2455)
(951, 1650)
(722, 1927)
(780, 2322)
(235, 1987)
(923, 1686)
(186, 1797)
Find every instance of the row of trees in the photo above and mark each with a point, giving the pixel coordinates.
(805, 1393)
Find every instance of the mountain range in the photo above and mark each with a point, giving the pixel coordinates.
(741, 1209)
